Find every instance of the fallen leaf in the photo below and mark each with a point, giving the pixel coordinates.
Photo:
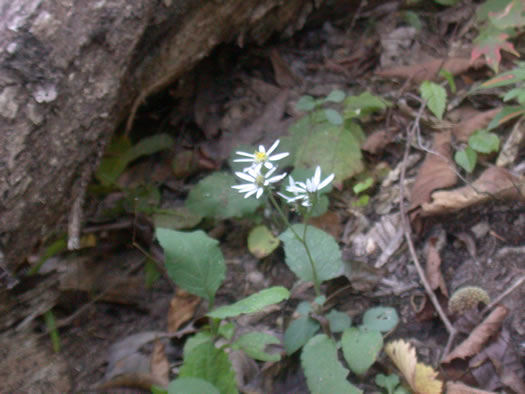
(420, 377)
(329, 222)
(510, 149)
(182, 308)
(460, 388)
(434, 276)
(493, 183)
(376, 142)
(284, 76)
(472, 122)
(159, 364)
(479, 336)
(429, 70)
(436, 172)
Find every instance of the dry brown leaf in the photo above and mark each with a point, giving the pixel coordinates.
(479, 336)
(436, 172)
(434, 276)
(460, 388)
(284, 76)
(329, 222)
(376, 141)
(420, 377)
(430, 70)
(159, 364)
(464, 129)
(182, 308)
(494, 182)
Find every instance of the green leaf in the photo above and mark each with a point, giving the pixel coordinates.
(466, 158)
(298, 333)
(261, 242)
(305, 103)
(361, 348)
(179, 218)
(450, 79)
(362, 186)
(254, 344)
(120, 153)
(196, 340)
(323, 249)
(512, 15)
(339, 321)
(151, 273)
(55, 248)
(191, 386)
(193, 260)
(207, 362)
(304, 308)
(389, 382)
(324, 373)
(335, 148)
(51, 326)
(484, 142)
(363, 105)
(436, 97)
(517, 93)
(506, 114)
(158, 390)
(447, 2)
(413, 20)
(251, 304)
(214, 197)
(380, 318)
(335, 96)
(489, 43)
(511, 77)
(227, 330)
(333, 117)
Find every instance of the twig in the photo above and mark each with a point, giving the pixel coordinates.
(406, 227)
(498, 299)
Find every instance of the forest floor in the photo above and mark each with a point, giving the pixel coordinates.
(121, 317)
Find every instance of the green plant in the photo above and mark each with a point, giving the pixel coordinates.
(361, 187)
(312, 254)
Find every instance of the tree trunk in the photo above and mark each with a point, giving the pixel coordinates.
(72, 71)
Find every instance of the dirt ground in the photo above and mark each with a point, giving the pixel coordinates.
(111, 321)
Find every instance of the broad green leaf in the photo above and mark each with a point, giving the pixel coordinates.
(380, 318)
(447, 3)
(466, 158)
(413, 19)
(335, 96)
(363, 105)
(254, 344)
(143, 198)
(484, 142)
(361, 348)
(298, 333)
(227, 330)
(506, 114)
(324, 373)
(209, 363)
(490, 6)
(196, 340)
(339, 321)
(362, 186)
(158, 390)
(251, 304)
(304, 308)
(179, 218)
(261, 241)
(450, 79)
(305, 103)
(120, 153)
(193, 260)
(214, 197)
(389, 382)
(436, 97)
(517, 93)
(323, 249)
(191, 386)
(513, 15)
(512, 77)
(335, 148)
(333, 117)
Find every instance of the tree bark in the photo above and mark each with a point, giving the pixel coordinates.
(72, 71)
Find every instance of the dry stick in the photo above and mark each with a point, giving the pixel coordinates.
(406, 227)
(498, 299)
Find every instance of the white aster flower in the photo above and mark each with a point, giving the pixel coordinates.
(306, 191)
(256, 181)
(262, 157)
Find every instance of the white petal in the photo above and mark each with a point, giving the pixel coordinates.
(251, 193)
(317, 177)
(274, 179)
(261, 149)
(241, 160)
(270, 172)
(246, 177)
(268, 165)
(259, 192)
(278, 156)
(324, 183)
(272, 148)
(246, 154)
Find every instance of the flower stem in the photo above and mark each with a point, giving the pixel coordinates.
(301, 240)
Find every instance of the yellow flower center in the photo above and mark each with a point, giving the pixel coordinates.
(259, 180)
(260, 157)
